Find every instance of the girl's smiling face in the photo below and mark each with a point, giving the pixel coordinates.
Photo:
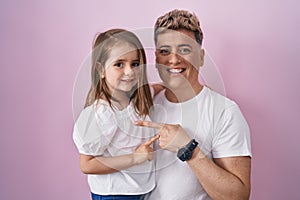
(122, 69)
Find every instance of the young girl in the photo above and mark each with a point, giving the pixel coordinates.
(116, 154)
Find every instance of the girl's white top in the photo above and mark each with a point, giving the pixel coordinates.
(101, 131)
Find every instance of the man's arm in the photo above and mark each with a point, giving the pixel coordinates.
(157, 87)
(222, 178)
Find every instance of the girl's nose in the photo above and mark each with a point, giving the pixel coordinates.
(128, 70)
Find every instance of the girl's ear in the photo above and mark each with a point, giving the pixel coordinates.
(100, 70)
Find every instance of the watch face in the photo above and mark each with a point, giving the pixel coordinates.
(184, 154)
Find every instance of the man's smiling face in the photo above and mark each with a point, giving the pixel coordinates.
(178, 58)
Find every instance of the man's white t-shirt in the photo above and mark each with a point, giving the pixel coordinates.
(219, 127)
(101, 131)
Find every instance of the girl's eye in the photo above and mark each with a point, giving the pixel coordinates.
(137, 64)
(118, 64)
(184, 51)
(164, 51)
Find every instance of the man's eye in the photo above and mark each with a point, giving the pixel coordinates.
(137, 64)
(185, 51)
(118, 64)
(164, 51)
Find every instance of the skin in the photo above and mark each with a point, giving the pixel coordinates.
(121, 75)
(222, 178)
(122, 71)
(177, 55)
(106, 165)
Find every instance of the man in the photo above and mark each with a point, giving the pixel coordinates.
(207, 154)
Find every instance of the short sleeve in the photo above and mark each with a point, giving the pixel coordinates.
(94, 130)
(232, 134)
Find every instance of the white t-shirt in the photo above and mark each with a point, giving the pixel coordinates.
(220, 129)
(101, 131)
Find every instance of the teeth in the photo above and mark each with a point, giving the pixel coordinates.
(176, 70)
(127, 80)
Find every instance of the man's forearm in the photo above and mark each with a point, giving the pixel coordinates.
(222, 183)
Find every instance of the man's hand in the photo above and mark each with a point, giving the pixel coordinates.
(171, 136)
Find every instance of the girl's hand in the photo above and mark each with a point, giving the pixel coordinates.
(144, 151)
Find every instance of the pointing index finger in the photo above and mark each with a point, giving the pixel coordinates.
(149, 142)
(149, 124)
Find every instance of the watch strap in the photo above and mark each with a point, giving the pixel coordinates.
(192, 145)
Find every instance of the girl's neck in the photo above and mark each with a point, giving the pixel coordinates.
(120, 100)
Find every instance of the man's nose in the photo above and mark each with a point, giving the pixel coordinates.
(174, 58)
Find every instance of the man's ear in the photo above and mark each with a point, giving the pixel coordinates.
(202, 54)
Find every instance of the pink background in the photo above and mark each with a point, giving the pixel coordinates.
(255, 45)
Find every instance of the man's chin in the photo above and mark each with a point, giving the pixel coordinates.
(175, 85)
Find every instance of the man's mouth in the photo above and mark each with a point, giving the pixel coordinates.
(176, 70)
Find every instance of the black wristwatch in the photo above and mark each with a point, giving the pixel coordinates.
(185, 153)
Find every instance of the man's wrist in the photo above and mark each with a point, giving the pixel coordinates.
(186, 152)
(197, 154)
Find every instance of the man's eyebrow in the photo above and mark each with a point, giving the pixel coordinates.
(185, 45)
(180, 45)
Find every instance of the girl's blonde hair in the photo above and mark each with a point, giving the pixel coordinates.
(102, 47)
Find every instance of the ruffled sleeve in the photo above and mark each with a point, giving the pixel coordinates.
(94, 129)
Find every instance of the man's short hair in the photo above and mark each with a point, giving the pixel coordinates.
(176, 20)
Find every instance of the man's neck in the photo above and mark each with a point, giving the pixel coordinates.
(183, 94)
